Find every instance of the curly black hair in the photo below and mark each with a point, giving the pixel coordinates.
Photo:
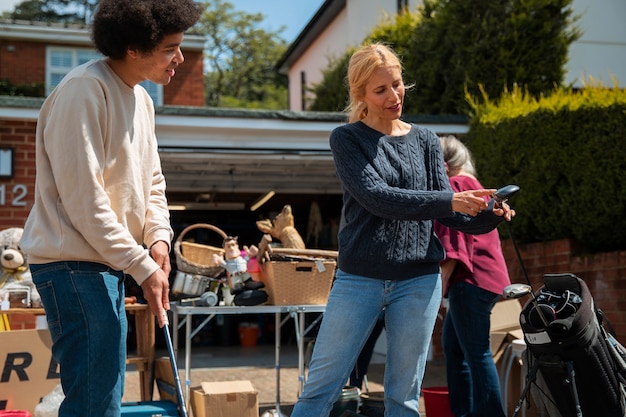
(140, 24)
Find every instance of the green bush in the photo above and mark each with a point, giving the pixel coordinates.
(7, 88)
(567, 154)
(448, 46)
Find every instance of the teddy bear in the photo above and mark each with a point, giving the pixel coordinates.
(16, 284)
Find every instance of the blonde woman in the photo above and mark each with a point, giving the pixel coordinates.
(394, 185)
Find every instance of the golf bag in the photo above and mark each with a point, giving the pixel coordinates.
(574, 363)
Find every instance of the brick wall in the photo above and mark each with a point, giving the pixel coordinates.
(187, 86)
(23, 62)
(16, 194)
(604, 273)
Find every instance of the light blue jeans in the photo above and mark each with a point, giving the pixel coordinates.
(472, 377)
(354, 305)
(84, 304)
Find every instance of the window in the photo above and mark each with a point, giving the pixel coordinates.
(59, 61)
(6, 163)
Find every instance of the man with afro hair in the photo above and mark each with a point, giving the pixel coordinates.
(100, 210)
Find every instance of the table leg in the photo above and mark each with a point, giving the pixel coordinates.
(300, 341)
(277, 325)
(188, 358)
(144, 326)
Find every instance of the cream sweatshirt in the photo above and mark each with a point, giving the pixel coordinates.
(99, 189)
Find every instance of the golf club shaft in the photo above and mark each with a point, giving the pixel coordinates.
(170, 348)
(521, 262)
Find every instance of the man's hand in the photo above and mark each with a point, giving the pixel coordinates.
(160, 252)
(156, 290)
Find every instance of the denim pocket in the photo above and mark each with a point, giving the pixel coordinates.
(49, 301)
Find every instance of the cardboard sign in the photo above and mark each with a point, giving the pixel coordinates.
(27, 370)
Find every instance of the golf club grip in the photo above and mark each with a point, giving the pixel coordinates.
(179, 389)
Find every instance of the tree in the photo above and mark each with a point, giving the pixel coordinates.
(332, 93)
(450, 47)
(460, 46)
(241, 58)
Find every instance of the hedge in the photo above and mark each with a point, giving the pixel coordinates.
(567, 152)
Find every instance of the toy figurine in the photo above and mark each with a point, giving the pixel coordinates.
(236, 265)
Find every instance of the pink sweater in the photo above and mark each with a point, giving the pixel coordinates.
(480, 261)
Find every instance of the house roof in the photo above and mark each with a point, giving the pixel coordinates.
(318, 23)
(59, 33)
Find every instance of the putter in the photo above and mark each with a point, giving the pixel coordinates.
(503, 194)
(170, 348)
(517, 290)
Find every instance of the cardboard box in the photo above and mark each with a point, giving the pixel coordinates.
(505, 326)
(225, 399)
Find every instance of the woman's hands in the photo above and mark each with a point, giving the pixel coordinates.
(472, 202)
(503, 209)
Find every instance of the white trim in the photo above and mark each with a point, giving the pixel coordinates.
(13, 113)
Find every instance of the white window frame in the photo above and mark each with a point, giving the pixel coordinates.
(155, 90)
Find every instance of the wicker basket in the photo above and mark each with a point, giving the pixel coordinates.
(195, 258)
(298, 282)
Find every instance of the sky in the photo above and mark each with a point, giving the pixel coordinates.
(293, 14)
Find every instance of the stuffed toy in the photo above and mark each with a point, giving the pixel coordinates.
(283, 229)
(16, 283)
(236, 266)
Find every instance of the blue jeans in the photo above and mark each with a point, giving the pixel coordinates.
(354, 305)
(84, 304)
(472, 377)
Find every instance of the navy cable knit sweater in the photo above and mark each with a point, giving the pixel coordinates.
(393, 187)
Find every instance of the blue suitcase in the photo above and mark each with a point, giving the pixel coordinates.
(150, 409)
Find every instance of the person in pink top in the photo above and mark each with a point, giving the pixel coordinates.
(474, 273)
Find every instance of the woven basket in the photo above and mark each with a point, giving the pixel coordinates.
(196, 258)
(298, 282)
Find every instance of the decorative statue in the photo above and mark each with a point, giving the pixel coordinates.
(282, 228)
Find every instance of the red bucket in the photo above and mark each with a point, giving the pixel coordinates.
(248, 334)
(437, 402)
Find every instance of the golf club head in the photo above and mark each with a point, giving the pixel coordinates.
(503, 194)
(514, 291)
